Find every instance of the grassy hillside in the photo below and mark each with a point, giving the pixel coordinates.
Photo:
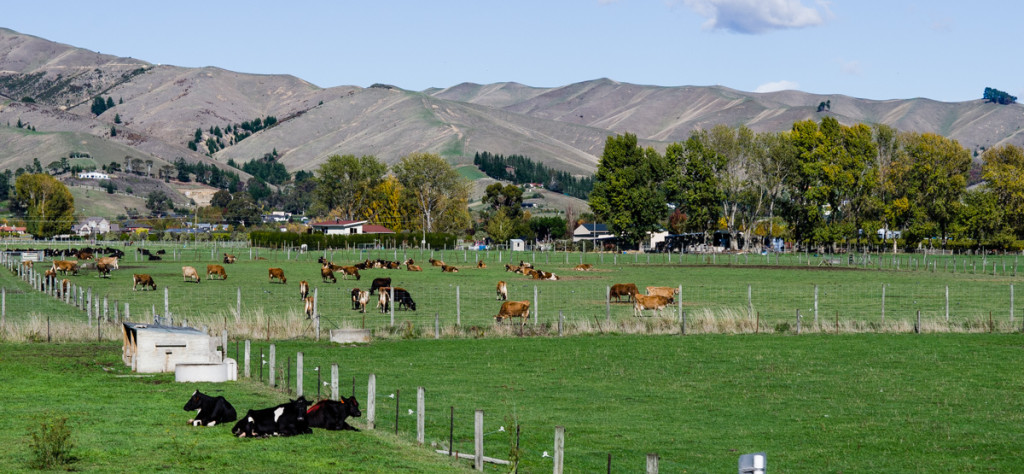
(96, 202)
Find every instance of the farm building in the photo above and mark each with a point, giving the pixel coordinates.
(150, 348)
(348, 227)
(517, 245)
(591, 232)
(93, 175)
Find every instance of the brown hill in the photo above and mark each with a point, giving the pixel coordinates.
(563, 127)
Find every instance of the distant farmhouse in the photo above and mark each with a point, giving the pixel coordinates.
(338, 227)
(93, 175)
(94, 226)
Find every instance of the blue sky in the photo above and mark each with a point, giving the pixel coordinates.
(947, 50)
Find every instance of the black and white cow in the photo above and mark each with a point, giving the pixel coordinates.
(210, 410)
(330, 414)
(286, 419)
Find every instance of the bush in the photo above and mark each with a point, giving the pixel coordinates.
(323, 241)
(51, 444)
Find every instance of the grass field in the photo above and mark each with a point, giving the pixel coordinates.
(719, 293)
(813, 403)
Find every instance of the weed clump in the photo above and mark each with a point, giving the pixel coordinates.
(51, 444)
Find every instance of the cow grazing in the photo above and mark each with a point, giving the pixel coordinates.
(190, 274)
(619, 290)
(303, 289)
(309, 307)
(279, 274)
(104, 269)
(584, 267)
(502, 291)
(379, 283)
(514, 309)
(449, 269)
(667, 292)
(383, 300)
(331, 414)
(64, 266)
(144, 280)
(436, 263)
(653, 303)
(480, 264)
(345, 271)
(111, 262)
(286, 419)
(413, 268)
(327, 274)
(218, 270)
(402, 298)
(355, 297)
(210, 410)
(228, 258)
(362, 299)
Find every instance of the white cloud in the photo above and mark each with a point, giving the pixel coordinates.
(777, 86)
(851, 68)
(757, 16)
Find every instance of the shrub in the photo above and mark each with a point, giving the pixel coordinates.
(51, 444)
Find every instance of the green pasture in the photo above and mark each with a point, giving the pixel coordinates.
(770, 290)
(813, 403)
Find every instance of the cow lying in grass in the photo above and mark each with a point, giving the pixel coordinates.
(330, 414)
(286, 419)
(210, 410)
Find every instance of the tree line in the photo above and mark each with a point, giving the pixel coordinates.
(520, 169)
(820, 184)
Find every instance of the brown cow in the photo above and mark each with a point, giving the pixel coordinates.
(65, 285)
(326, 273)
(480, 264)
(50, 273)
(65, 266)
(218, 270)
(362, 299)
(345, 271)
(303, 289)
(27, 264)
(190, 274)
(667, 292)
(584, 267)
(511, 268)
(309, 306)
(84, 255)
(449, 269)
(514, 309)
(653, 303)
(623, 289)
(279, 274)
(413, 268)
(436, 263)
(228, 258)
(143, 279)
(110, 261)
(104, 269)
(523, 264)
(383, 298)
(502, 291)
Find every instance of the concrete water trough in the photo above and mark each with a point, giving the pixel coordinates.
(151, 348)
(350, 336)
(223, 372)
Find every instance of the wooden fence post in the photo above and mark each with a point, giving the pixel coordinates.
(652, 463)
(167, 303)
(883, 303)
(437, 326)
(608, 304)
(798, 318)
(478, 440)
(238, 303)
(248, 369)
(559, 456)
(536, 306)
(420, 408)
(391, 302)
(271, 379)
(335, 395)
(458, 307)
(298, 374)
(371, 402)
(815, 305)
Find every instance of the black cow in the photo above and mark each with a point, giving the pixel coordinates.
(379, 283)
(154, 257)
(210, 410)
(403, 299)
(355, 298)
(286, 419)
(330, 414)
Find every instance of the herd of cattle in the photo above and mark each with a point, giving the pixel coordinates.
(656, 299)
(287, 419)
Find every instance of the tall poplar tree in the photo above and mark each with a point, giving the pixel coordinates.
(628, 194)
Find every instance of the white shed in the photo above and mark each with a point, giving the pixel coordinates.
(150, 348)
(517, 245)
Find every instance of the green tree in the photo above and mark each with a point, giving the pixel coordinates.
(931, 173)
(46, 204)
(158, 202)
(508, 197)
(500, 226)
(98, 106)
(627, 192)
(1003, 170)
(346, 183)
(435, 189)
(117, 118)
(998, 96)
(693, 184)
(221, 199)
(242, 211)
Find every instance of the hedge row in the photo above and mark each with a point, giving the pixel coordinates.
(337, 241)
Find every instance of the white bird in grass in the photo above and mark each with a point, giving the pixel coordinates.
(391, 396)
(411, 412)
(502, 429)
(545, 455)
